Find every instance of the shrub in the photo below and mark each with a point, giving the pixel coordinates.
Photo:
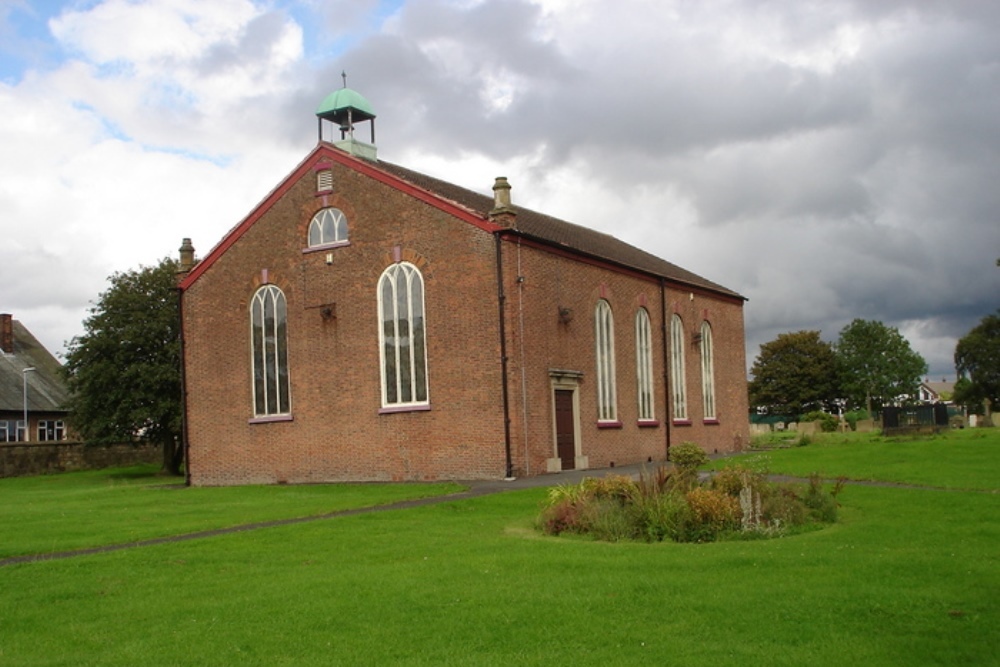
(606, 520)
(658, 517)
(827, 422)
(738, 503)
(688, 456)
(560, 517)
(853, 416)
(712, 512)
(783, 508)
(822, 506)
(732, 479)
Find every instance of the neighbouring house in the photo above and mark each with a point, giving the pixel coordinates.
(368, 322)
(30, 381)
(935, 392)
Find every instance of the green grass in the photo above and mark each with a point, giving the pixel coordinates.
(908, 577)
(77, 510)
(957, 459)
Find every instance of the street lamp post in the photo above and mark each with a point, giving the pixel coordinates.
(24, 382)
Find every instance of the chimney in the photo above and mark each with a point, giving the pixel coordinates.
(502, 213)
(187, 257)
(7, 333)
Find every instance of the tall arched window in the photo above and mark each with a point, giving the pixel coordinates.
(707, 371)
(604, 329)
(328, 227)
(269, 341)
(644, 364)
(677, 373)
(402, 334)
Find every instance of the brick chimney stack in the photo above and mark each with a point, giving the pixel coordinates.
(186, 258)
(7, 333)
(502, 213)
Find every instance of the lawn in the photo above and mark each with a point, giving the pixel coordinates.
(908, 577)
(77, 510)
(955, 459)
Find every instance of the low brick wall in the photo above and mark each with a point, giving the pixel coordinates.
(18, 459)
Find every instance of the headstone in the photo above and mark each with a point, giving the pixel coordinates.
(865, 425)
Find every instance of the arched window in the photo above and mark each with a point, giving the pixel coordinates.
(707, 371)
(328, 227)
(402, 335)
(604, 329)
(677, 373)
(269, 340)
(644, 364)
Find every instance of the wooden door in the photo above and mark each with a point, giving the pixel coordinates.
(565, 429)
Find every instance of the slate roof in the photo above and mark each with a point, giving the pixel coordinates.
(560, 233)
(529, 224)
(46, 390)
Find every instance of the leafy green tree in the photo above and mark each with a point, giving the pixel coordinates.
(877, 363)
(977, 360)
(124, 372)
(794, 373)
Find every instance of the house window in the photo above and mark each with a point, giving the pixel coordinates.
(328, 227)
(402, 337)
(12, 431)
(707, 371)
(268, 329)
(604, 330)
(644, 364)
(50, 430)
(677, 373)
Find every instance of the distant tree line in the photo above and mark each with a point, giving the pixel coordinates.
(871, 365)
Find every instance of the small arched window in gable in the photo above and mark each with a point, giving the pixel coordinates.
(328, 227)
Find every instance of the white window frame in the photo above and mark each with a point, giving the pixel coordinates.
(678, 373)
(644, 365)
(57, 430)
(332, 219)
(707, 371)
(604, 352)
(269, 371)
(403, 367)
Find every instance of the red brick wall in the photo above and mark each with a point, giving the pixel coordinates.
(336, 432)
(540, 341)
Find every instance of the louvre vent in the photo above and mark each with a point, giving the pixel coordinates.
(324, 180)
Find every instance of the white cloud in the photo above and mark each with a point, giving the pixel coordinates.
(829, 160)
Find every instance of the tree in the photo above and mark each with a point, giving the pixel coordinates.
(793, 374)
(977, 360)
(877, 363)
(124, 372)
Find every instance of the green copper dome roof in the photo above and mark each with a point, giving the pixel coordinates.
(334, 107)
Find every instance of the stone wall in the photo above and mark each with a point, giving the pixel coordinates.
(19, 459)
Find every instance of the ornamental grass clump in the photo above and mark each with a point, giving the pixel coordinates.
(671, 504)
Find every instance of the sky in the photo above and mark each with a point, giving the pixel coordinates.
(828, 160)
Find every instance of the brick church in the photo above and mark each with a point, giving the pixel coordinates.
(368, 322)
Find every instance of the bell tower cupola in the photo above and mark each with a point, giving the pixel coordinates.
(346, 108)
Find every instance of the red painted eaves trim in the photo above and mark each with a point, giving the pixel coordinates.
(364, 167)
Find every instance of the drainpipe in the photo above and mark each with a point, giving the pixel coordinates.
(668, 421)
(184, 394)
(501, 301)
